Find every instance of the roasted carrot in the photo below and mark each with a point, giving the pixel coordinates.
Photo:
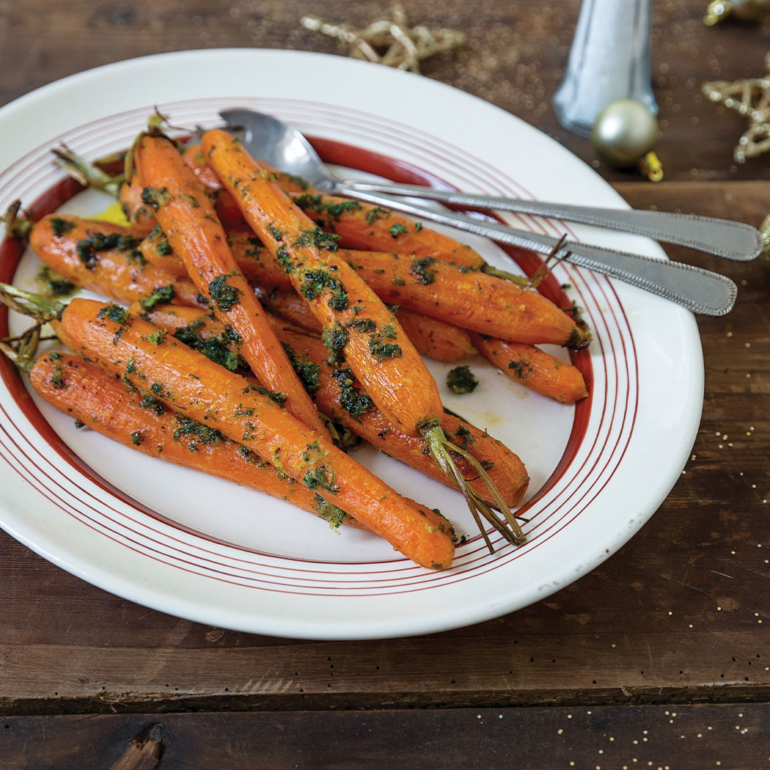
(354, 319)
(339, 395)
(104, 404)
(534, 368)
(189, 221)
(434, 338)
(464, 297)
(103, 258)
(157, 365)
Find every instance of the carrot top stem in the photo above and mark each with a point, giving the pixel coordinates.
(34, 305)
(87, 173)
(16, 226)
(23, 349)
(441, 450)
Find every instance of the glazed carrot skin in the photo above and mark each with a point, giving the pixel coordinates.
(187, 382)
(534, 368)
(339, 395)
(137, 212)
(103, 258)
(156, 249)
(189, 221)
(103, 403)
(353, 317)
(227, 209)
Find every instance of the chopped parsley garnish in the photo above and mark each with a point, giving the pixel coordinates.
(163, 248)
(115, 313)
(321, 478)
(362, 325)
(222, 349)
(384, 350)
(372, 215)
(396, 230)
(317, 238)
(57, 380)
(275, 232)
(196, 432)
(224, 295)
(420, 269)
(354, 402)
(306, 370)
(155, 198)
(150, 402)
(60, 226)
(137, 437)
(53, 285)
(162, 294)
(88, 248)
(314, 282)
(157, 337)
(461, 380)
(335, 340)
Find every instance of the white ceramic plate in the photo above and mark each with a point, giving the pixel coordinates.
(210, 551)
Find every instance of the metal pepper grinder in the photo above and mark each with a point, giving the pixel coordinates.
(609, 60)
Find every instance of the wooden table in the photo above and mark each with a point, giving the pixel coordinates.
(659, 658)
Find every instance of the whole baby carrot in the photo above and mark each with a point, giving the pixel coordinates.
(533, 368)
(104, 404)
(158, 365)
(190, 223)
(355, 320)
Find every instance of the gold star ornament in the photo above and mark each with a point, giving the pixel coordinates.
(751, 98)
(390, 40)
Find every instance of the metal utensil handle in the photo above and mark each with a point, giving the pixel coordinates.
(721, 237)
(698, 290)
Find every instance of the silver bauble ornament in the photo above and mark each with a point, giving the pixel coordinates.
(624, 135)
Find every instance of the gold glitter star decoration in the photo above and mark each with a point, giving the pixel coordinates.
(390, 40)
(749, 97)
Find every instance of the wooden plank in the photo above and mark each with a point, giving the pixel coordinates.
(681, 613)
(730, 737)
(515, 58)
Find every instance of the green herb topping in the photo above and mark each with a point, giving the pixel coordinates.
(155, 198)
(354, 402)
(88, 248)
(224, 295)
(335, 340)
(306, 370)
(161, 295)
(461, 380)
(60, 226)
(317, 238)
(396, 230)
(321, 478)
(420, 269)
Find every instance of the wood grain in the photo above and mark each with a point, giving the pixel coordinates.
(729, 737)
(679, 616)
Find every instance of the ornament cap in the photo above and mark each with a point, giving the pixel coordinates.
(651, 167)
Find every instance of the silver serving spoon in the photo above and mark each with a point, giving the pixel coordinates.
(282, 146)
